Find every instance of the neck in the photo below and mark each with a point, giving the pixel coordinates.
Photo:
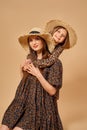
(39, 55)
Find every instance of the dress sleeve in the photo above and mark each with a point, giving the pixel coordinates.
(51, 60)
(55, 76)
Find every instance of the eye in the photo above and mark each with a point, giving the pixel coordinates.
(58, 31)
(63, 35)
(30, 39)
(38, 38)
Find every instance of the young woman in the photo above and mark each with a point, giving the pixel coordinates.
(64, 37)
(34, 106)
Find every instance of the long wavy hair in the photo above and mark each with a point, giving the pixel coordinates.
(33, 55)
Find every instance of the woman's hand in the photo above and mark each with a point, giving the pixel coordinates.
(24, 66)
(33, 70)
(45, 84)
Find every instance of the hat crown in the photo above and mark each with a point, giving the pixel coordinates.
(36, 31)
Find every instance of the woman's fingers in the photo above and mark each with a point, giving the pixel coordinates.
(26, 62)
(25, 68)
(26, 65)
(33, 70)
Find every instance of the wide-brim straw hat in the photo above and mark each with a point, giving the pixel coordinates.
(72, 34)
(23, 40)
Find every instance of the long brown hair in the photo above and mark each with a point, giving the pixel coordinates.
(67, 36)
(33, 56)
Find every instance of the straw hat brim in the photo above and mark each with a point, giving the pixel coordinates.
(72, 34)
(23, 40)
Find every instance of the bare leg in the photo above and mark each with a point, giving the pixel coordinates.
(17, 128)
(4, 127)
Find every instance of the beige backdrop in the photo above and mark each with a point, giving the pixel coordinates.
(16, 18)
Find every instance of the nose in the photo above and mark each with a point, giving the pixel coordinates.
(60, 35)
(34, 41)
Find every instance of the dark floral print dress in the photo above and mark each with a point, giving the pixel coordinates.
(32, 107)
(52, 58)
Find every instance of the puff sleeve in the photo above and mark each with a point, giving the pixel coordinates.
(55, 76)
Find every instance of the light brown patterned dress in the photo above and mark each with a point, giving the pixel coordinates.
(32, 107)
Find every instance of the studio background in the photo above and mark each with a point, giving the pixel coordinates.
(17, 17)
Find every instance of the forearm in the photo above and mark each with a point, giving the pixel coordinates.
(49, 61)
(46, 85)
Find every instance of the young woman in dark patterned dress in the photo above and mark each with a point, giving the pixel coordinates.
(34, 106)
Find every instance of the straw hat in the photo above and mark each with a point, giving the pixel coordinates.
(23, 40)
(72, 35)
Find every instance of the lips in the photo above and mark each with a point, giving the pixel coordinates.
(35, 46)
(58, 38)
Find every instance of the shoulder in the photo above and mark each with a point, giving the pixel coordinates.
(58, 48)
(58, 63)
(57, 66)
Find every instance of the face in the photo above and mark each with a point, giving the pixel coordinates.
(59, 36)
(36, 43)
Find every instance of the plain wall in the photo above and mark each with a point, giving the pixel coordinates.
(17, 18)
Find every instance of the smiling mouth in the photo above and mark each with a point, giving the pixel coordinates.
(35, 46)
(58, 38)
